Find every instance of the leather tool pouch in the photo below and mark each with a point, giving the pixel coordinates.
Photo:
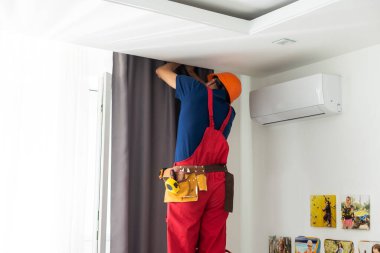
(229, 198)
(188, 189)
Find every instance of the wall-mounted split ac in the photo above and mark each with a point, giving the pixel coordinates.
(309, 96)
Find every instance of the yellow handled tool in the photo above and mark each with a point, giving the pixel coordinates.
(172, 185)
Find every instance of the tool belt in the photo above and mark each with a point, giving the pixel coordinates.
(182, 183)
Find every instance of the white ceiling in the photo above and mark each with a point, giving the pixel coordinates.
(331, 29)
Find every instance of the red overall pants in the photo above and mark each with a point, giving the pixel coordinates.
(202, 224)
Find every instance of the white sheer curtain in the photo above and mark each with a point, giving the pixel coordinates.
(48, 170)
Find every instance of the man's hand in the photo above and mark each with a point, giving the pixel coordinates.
(167, 74)
(189, 69)
(191, 72)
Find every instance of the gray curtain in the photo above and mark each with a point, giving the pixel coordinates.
(144, 120)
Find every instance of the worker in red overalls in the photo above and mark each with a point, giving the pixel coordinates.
(199, 189)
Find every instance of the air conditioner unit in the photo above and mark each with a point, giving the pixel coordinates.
(319, 94)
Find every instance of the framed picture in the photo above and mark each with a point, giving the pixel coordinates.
(338, 246)
(369, 247)
(355, 212)
(280, 244)
(305, 244)
(323, 211)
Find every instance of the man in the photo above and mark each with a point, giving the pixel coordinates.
(198, 221)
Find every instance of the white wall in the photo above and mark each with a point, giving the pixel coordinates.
(47, 163)
(246, 172)
(334, 155)
(233, 222)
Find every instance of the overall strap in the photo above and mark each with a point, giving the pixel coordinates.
(210, 108)
(226, 120)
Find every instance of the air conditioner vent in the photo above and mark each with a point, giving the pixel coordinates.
(294, 119)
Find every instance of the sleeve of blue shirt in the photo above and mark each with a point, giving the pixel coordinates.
(184, 86)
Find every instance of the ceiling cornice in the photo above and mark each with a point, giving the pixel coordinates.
(248, 27)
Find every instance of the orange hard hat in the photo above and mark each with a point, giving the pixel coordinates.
(230, 81)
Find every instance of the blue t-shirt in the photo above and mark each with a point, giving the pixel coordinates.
(193, 117)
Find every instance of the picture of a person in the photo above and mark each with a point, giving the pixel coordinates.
(347, 214)
(376, 248)
(276, 245)
(322, 212)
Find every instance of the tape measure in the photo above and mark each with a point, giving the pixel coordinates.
(172, 185)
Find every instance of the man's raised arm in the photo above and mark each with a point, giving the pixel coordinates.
(167, 74)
